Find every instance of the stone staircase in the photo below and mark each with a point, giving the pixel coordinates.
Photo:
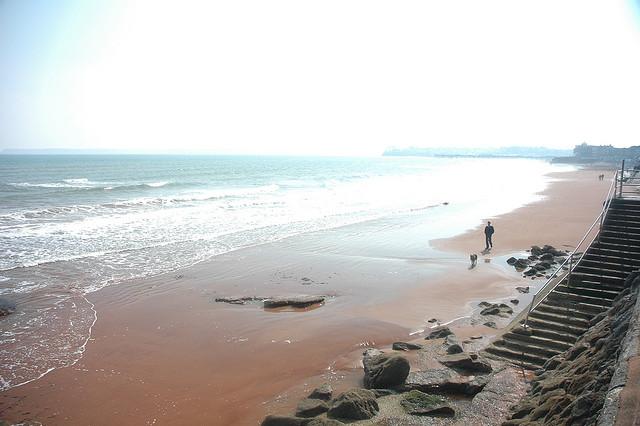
(556, 323)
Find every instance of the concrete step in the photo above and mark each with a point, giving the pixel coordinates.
(527, 348)
(600, 271)
(572, 304)
(595, 285)
(530, 362)
(625, 242)
(567, 310)
(538, 341)
(545, 334)
(620, 248)
(560, 318)
(614, 256)
(582, 291)
(608, 263)
(622, 228)
(619, 221)
(541, 323)
(559, 294)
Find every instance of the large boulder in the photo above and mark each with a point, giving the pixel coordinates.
(471, 363)
(384, 370)
(355, 404)
(422, 404)
(439, 333)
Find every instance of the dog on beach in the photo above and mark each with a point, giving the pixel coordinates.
(474, 259)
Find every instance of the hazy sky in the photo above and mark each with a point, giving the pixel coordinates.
(324, 77)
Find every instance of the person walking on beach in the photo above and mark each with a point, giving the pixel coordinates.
(488, 232)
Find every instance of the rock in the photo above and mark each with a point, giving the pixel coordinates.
(6, 307)
(283, 421)
(490, 324)
(404, 346)
(523, 289)
(537, 251)
(355, 404)
(547, 257)
(484, 304)
(311, 407)
(512, 260)
(295, 301)
(467, 362)
(497, 309)
(521, 263)
(385, 370)
(421, 404)
(432, 320)
(439, 333)
(383, 392)
(323, 392)
(514, 301)
(453, 344)
(237, 300)
(445, 380)
(324, 422)
(530, 272)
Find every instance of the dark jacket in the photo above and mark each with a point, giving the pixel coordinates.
(488, 230)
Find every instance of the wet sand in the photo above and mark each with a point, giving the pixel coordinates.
(164, 352)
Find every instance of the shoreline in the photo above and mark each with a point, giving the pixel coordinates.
(149, 330)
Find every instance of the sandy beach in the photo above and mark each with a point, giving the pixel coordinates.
(163, 351)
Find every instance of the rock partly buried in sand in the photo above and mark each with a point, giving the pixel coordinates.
(383, 371)
(237, 300)
(453, 344)
(404, 346)
(521, 263)
(294, 301)
(432, 320)
(497, 309)
(490, 324)
(355, 404)
(283, 421)
(323, 392)
(467, 362)
(512, 260)
(530, 272)
(439, 333)
(523, 289)
(420, 404)
(445, 380)
(514, 301)
(6, 307)
(311, 407)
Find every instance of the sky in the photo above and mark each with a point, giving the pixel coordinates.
(318, 78)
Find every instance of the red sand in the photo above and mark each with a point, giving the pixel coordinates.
(163, 353)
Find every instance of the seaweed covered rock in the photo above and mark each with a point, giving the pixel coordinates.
(439, 333)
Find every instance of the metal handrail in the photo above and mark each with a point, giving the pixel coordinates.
(599, 219)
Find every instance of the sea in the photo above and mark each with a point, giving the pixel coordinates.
(71, 225)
